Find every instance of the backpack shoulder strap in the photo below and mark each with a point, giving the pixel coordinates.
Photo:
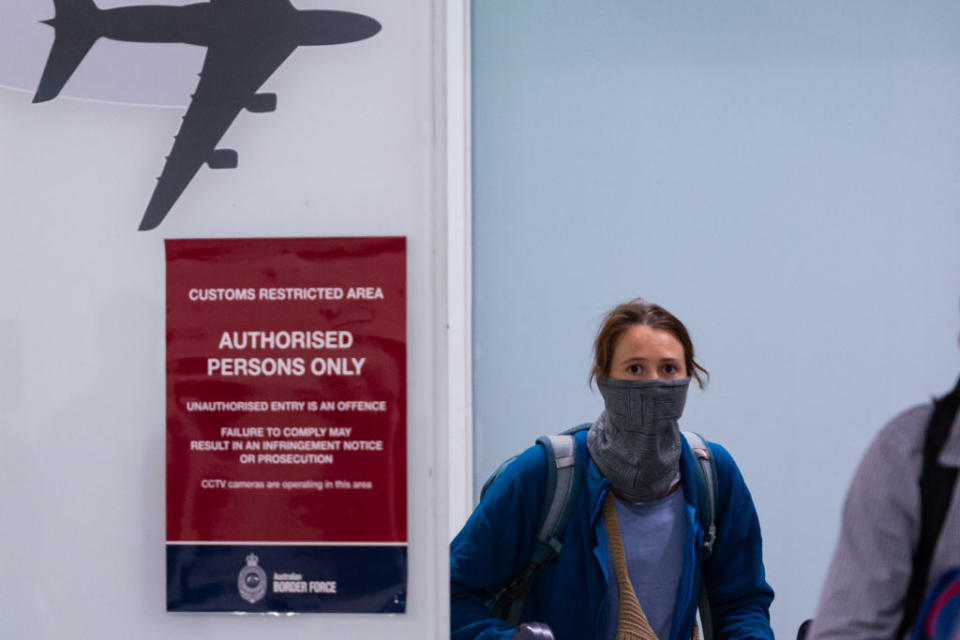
(706, 472)
(706, 477)
(562, 487)
(936, 490)
(560, 494)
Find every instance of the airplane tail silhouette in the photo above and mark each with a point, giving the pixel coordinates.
(76, 30)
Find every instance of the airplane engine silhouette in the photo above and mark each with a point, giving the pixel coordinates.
(262, 103)
(223, 159)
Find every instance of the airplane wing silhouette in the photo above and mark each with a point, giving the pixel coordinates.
(232, 72)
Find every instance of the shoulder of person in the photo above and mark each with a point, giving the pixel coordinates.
(529, 462)
(893, 457)
(525, 472)
(730, 481)
(723, 459)
(899, 444)
(529, 467)
(907, 429)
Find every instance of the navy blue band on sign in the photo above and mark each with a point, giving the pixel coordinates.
(286, 578)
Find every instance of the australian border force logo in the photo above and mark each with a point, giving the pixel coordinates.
(252, 581)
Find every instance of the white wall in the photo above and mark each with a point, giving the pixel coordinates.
(459, 235)
(355, 148)
(782, 177)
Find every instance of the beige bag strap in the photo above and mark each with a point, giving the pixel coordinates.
(632, 623)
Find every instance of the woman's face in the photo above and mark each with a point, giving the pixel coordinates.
(645, 353)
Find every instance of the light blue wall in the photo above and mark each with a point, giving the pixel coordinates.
(785, 178)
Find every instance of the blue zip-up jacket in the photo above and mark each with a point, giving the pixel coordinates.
(571, 595)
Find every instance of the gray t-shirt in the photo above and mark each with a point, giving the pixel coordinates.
(653, 537)
(868, 577)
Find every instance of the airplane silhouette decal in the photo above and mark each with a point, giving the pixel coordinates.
(246, 41)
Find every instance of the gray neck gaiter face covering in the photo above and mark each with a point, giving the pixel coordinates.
(636, 442)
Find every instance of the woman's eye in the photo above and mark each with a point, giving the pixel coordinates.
(635, 369)
(669, 369)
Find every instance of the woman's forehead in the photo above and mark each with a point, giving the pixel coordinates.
(643, 341)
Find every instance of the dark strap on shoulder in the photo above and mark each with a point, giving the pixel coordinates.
(936, 489)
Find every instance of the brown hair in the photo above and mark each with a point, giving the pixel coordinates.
(638, 312)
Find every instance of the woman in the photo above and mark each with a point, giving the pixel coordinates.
(634, 537)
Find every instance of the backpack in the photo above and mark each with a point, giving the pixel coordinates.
(563, 472)
(939, 618)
